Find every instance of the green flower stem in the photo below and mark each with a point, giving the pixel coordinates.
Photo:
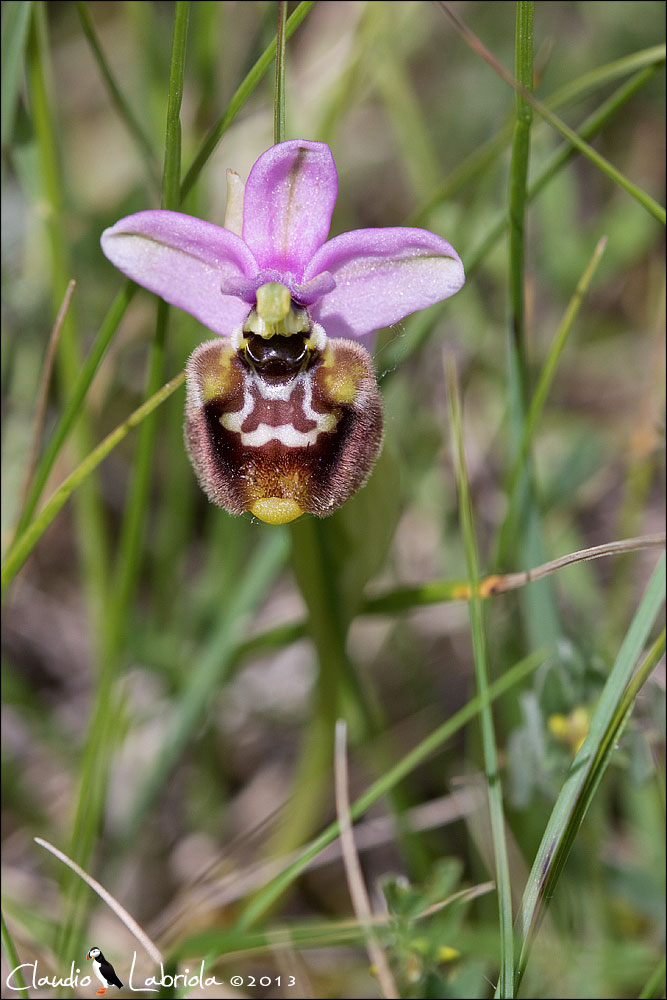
(279, 91)
(265, 899)
(591, 761)
(240, 97)
(502, 871)
(90, 524)
(118, 100)
(318, 576)
(315, 573)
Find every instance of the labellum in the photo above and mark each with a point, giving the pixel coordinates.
(281, 421)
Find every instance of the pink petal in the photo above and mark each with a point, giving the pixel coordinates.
(289, 198)
(382, 275)
(186, 261)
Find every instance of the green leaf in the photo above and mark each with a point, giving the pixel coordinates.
(590, 763)
(15, 21)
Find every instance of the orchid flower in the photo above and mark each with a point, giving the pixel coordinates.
(283, 416)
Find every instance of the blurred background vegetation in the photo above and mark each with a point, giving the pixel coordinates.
(171, 675)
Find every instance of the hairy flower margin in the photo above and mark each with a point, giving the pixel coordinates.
(309, 288)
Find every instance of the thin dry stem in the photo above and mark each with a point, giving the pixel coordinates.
(462, 896)
(290, 963)
(120, 911)
(355, 879)
(511, 581)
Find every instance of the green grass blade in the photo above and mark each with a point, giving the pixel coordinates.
(644, 199)
(655, 986)
(549, 369)
(399, 599)
(483, 156)
(420, 326)
(75, 402)
(589, 764)
(537, 403)
(601, 75)
(171, 179)
(15, 22)
(102, 731)
(588, 130)
(13, 961)
(210, 670)
(389, 780)
(518, 200)
(494, 790)
(240, 97)
(538, 603)
(91, 527)
(129, 557)
(117, 98)
(29, 538)
(400, 104)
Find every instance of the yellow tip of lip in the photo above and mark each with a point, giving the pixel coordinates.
(276, 510)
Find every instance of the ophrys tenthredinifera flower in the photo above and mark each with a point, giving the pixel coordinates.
(283, 415)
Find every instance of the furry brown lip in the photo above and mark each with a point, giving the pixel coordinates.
(283, 429)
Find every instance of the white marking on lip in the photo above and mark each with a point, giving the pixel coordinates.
(280, 391)
(287, 434)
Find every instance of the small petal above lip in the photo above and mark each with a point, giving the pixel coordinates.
(382, 275)
(186, 261)
(289, 199)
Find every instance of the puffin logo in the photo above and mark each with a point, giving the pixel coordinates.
(104, 971)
